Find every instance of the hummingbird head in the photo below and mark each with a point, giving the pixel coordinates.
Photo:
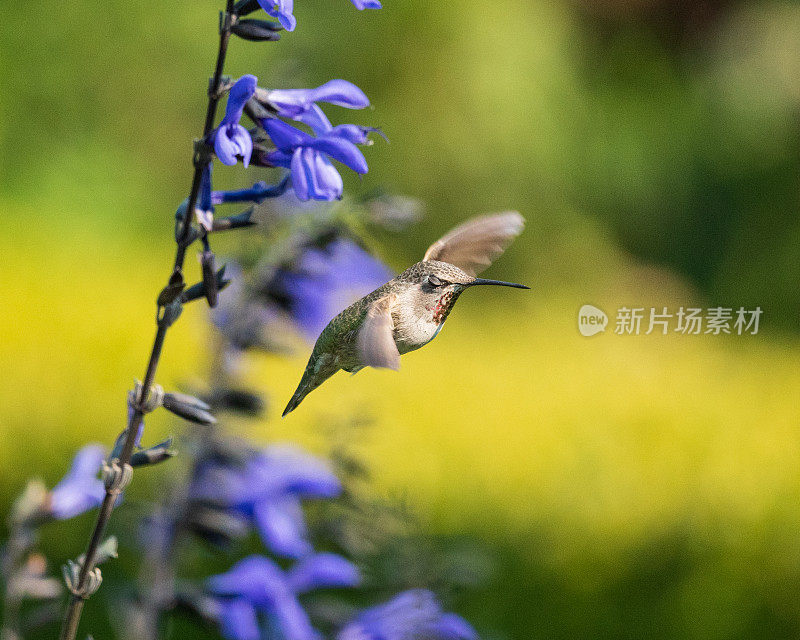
(443, 276)
(437, 285)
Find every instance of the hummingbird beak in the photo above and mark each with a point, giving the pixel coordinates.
(500, 283)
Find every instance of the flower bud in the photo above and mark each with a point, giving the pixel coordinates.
(217, 526)
(237, 400)
(189, 408)
(198, 290)
(153, 455)
(209, 278)
(106, 551)
(257, 30)
(245, 7)
(239, 221)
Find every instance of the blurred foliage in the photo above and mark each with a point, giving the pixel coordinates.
(630, 487)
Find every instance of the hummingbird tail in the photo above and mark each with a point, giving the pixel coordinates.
(307, 384)
(318, 370)
(297, 398)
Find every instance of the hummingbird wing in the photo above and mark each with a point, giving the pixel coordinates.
(375, 340)
(475, 244)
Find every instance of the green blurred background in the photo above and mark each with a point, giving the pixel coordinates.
(624, 487)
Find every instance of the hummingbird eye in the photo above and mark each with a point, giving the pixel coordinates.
(434, 281)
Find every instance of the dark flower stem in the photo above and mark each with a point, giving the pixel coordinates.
(75, 608)
(213, 100)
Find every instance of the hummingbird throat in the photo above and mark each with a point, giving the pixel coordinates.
(443, 306)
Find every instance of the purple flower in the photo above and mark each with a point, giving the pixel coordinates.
(282, 10)
(315, 118)
(268, 488)
(366, 4)
(274, 471)
(293, 103)
(313, 175)
(282, 526)
(238, 619)
(320, 125)
(408, 616)
(232, 140)
(322, 570)
(325, 281)
(81, 489)
(256, 587)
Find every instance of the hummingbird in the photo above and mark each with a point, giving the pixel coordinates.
(408, 312)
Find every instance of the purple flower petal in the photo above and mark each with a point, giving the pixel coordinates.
(409, 615)
(86, 462)
(452, 627)
(245, 143)
(366, 4)
(342, 150)
(316, 119)
(310, 308)
(80, 489)
(292, 619)
(256, 578)
(314, 177)
(238, 96)
(270, 474)
(282, 526)
(301, 182)
(282, 10)
(224, 147)
(340, 93)
(323, 570)
(238, 620)
(262, 584)
(280, 158)
(233, 140)
(284, 136)
(288, 469)
(291, 103)
(328, 183)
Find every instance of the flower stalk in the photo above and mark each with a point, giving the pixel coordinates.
(169, 310)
